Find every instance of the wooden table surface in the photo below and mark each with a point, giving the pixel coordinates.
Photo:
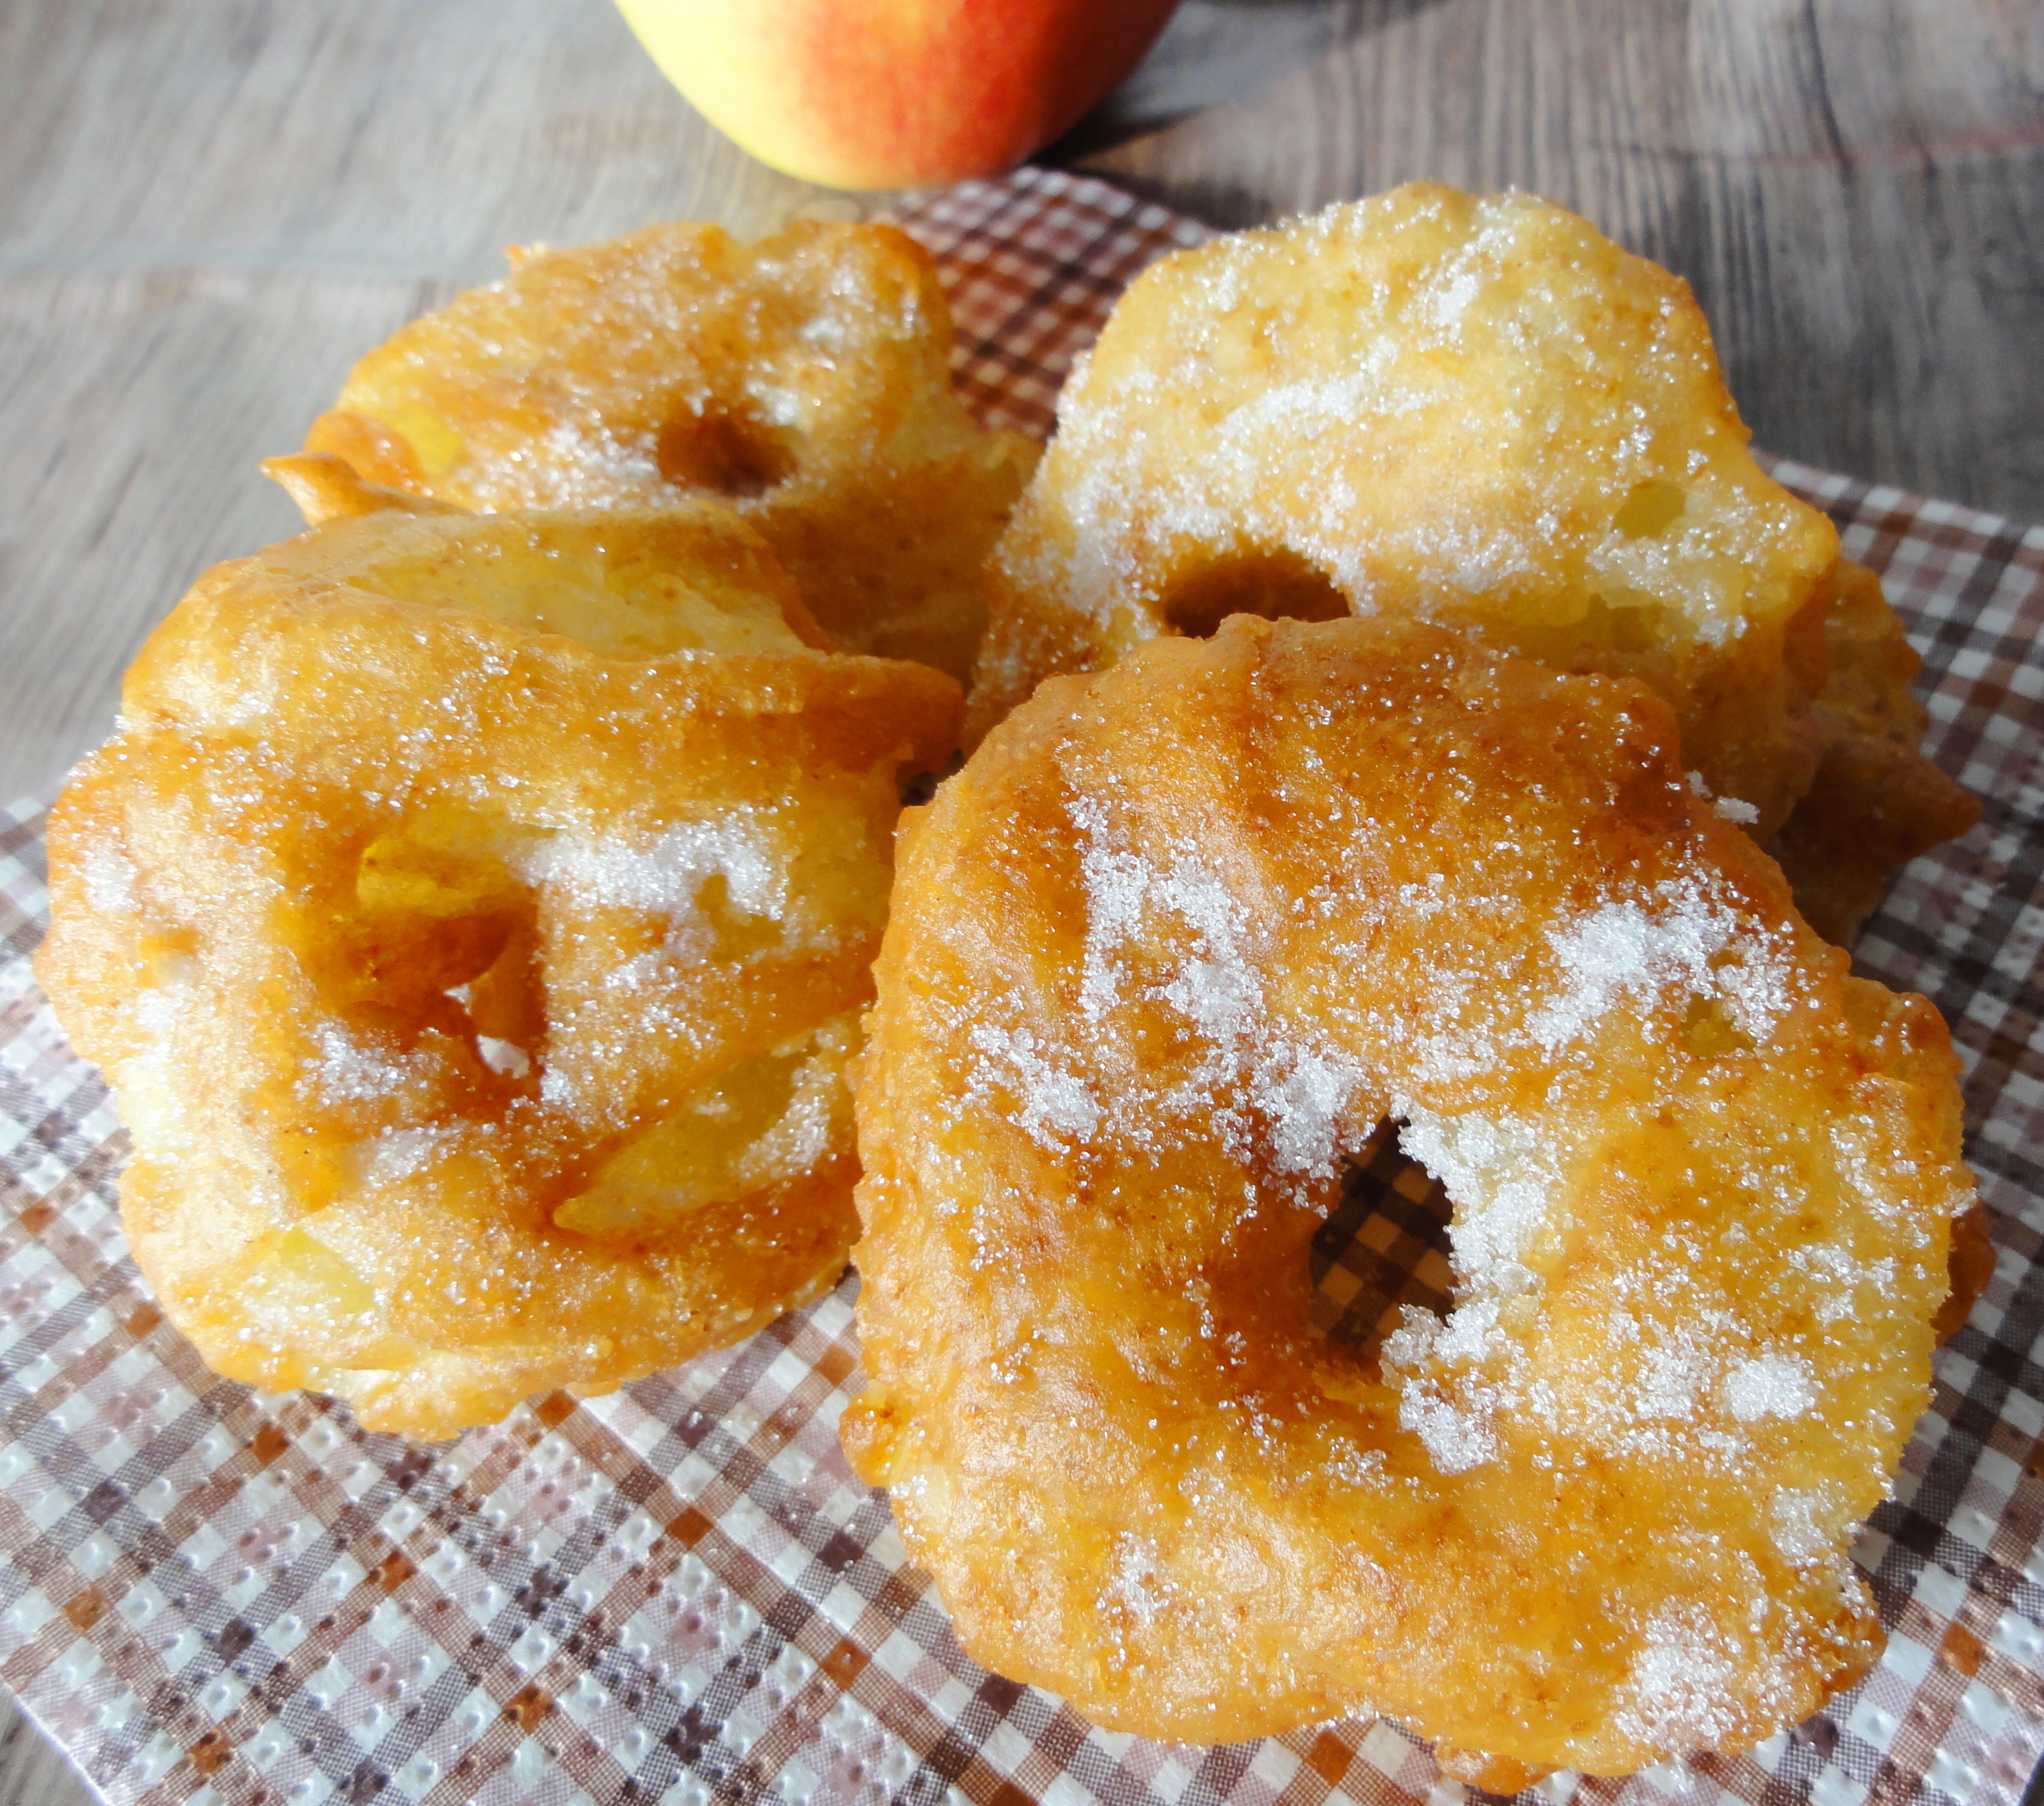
(208, 210)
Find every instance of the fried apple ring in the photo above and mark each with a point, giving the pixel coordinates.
(1179, 937)
(1876, 802)
(806, 378)
(472, 918)
(1478, 411)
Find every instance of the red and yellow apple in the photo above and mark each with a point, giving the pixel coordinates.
(894, 93)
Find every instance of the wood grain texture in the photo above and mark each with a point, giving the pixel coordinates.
(209, 210)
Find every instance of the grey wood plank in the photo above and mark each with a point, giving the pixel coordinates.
(390, 137)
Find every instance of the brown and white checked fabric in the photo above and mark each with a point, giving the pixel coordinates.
(1384, 1245)
(679, 1593)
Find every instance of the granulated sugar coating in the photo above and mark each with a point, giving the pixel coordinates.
(1180, 935)
(472, 919)
(805, 379)
(1476, 410)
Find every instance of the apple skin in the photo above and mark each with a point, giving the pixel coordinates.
(894, 93)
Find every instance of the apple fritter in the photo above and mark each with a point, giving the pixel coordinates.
(473, 918)
(1480, 412)
(804, 378)
(1257, 894)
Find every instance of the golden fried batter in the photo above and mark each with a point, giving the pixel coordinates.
(1254, 895)
(327, 487)
(1478, 411)
(473, 918)
(1876, 802)
(805, 377)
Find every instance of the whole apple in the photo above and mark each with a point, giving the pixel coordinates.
(894, 93)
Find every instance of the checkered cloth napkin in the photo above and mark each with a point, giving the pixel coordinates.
(679, 1593)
